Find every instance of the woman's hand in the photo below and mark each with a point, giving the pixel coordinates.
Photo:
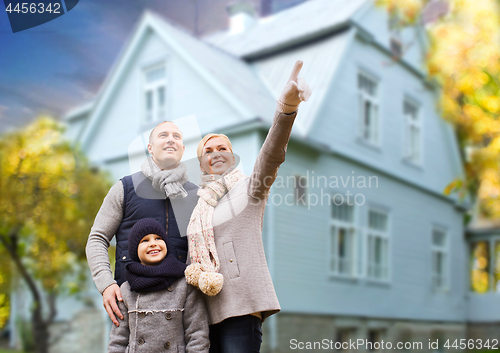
(296, 89)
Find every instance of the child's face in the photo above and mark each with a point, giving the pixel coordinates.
(151, 250)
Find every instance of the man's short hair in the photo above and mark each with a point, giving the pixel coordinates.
(166, 121)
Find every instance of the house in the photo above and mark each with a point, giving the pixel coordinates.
(483, 310)
(360, 240)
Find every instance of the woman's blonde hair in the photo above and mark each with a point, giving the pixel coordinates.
(207, 137)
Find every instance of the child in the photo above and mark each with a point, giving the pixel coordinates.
(161, 312)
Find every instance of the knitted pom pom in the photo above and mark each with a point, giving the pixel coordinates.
(210, 283)
(192, 274)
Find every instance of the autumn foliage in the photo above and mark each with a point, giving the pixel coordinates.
(49, 196)
(464, 58)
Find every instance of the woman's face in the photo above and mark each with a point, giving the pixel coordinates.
(216, 156)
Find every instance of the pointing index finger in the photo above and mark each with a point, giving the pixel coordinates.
(295, 71)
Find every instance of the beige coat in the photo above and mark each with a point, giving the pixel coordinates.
(237, 222)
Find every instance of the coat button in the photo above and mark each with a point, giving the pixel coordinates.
(123, 258)
(180, 257)
(167, 345)
(168, 316)
(230, 260)
(170, 289)
(140, 341)
(142, 315)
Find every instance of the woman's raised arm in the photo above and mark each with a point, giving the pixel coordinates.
(273, 151)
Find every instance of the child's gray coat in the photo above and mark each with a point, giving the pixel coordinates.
(170, 320)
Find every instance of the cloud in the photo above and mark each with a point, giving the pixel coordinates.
(3, 109)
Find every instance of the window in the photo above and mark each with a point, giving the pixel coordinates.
(300, 189)
(375, 337)
(480, 266)
(343, 336)
(413, 132)
(155, 93)
(439, 259)
(485, 265)
(368, 119)
(396, 47)
(378, 245)
(496, 269)
(342, 238)
(396, 44)
(439, 337)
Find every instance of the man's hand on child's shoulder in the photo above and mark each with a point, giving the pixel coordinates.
(109, 298)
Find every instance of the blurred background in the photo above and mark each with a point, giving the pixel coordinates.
(383, 222)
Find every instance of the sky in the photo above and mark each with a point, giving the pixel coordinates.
(59, 65)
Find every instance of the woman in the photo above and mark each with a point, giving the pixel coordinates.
(225, 231)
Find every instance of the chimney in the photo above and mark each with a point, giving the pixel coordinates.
(242, 15)
(266, 7)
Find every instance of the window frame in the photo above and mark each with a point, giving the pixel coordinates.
(153, 87)
(354, 237)
(384, 236)
(374, 138)
(410, 124)
(491, 239)
(297, 187)
(445, 282)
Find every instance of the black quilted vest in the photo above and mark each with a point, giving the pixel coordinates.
(140, 201)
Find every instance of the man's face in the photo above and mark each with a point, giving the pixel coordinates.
(166, 146)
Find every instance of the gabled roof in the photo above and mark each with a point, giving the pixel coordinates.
(237, 69)
(321, 65)
(231, 77)
(289, 27)
(234, 74)
(217, 58)
(79, 111)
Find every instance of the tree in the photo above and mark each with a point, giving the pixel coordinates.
(464, 58)
(49, 196)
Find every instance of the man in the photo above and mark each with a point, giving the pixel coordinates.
(154, 192)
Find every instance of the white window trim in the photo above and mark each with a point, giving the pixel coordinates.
(374, 100)
(296, 187)
(153, 86)
(444, 249)
(409, 123)
(385, 235)
(354, 229)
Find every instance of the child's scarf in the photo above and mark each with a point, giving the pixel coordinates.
(144, 278)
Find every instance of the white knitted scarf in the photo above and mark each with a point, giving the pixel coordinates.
(200, 230)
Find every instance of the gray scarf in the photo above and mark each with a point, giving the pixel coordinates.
(170, 181)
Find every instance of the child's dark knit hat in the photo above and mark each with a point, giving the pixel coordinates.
(140, 230)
